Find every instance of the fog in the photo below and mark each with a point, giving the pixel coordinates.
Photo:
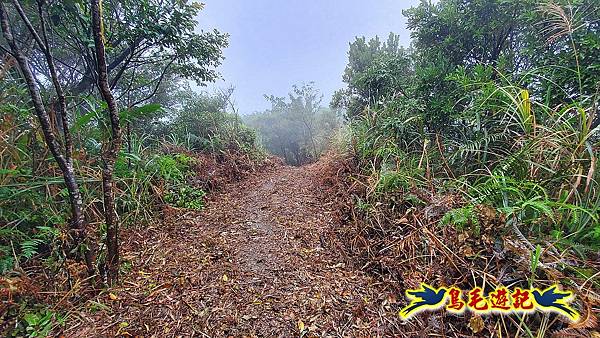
(274, 45)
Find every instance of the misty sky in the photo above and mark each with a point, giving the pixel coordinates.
(274, 44)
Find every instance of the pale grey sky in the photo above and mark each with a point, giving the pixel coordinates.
(277, 43)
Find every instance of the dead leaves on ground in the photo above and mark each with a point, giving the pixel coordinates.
(251, 264)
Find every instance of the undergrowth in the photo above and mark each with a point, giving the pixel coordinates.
(501, 190)
(152, 171)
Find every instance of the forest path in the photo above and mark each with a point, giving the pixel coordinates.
(254, 262)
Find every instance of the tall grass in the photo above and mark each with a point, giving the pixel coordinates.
(534, 163)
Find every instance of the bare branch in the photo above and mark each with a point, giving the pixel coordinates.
(158, 83)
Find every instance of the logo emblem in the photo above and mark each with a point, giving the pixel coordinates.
(501, 300)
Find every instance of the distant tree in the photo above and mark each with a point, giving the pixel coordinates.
(297, 129)
(305, 102)
(375, 70)
(446, 35)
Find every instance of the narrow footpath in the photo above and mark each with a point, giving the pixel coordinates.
(254, 263)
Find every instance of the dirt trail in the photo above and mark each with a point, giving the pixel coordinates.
(254, 262)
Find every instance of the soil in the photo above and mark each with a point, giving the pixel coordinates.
(255, 262)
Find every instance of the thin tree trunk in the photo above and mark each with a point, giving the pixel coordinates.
(62, 103)
(110, 148)
(312, 139)
(77, 225)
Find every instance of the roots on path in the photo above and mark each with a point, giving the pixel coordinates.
(254, 262)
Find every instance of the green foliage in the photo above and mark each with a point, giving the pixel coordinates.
(392, 181)
(595, 234)
(26, 220)
(535, 261)
(183, 196)
(173, 168)
(34, 209)
(174, 171)
(204, 124)
(160, 35)
(496, 100)
(375, 70)
(462, 218)
(38, 324)
(6, 259)
(298, 129)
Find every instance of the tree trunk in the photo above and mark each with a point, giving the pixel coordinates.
(77, 226)
(312, 139)
(110, 149)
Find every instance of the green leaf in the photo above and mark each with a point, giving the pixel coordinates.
(82, 121)
(137, 112)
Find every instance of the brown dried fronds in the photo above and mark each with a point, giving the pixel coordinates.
(575, 333)
(588, 320)
(6, 64)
